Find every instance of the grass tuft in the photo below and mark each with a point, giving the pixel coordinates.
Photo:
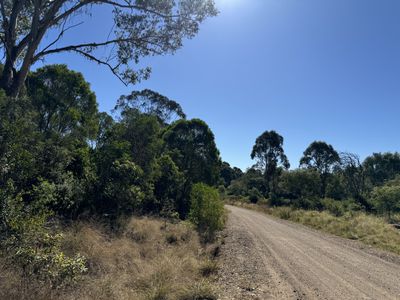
(148, 259)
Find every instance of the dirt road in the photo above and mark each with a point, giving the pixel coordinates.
(267, 258)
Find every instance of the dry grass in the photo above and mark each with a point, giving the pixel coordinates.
(148, 259)
(369, 229)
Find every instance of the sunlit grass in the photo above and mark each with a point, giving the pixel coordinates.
(368, 229)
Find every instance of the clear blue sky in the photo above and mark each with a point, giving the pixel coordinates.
(309, 69)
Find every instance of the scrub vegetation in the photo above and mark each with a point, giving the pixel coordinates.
(146, 258)
(332, 191)
(96, 205)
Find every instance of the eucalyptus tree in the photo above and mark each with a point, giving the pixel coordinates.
(355, 177)
(139, 28)
(191, 144)
(151, 103)
(322, 157)
(64, 102)
(381, 167)
(269, 153)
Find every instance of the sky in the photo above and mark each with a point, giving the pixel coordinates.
(309, 69)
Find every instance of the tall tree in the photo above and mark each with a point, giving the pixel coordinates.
(228, 174)
(322, 157)
(140, 28)
(269, 153)
(192, 146)
(354, 177)
(151, 103)
(64, 102)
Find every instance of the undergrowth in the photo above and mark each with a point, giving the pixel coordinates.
(368, 229)
(146, 259)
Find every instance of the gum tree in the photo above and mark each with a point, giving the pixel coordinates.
(140, 28)
(321, 157)
(269, 153)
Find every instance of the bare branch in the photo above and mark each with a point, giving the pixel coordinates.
(60, 35)
(101, 62)
(69, 12)
(94, 45)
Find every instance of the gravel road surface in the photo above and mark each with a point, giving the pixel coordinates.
(267, 258)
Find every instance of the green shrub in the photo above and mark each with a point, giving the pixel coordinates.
(283, 212)
(387, 198)
(254, 195)
(29, 244)
(207, 209)
(337, 208)
(123, 192)
(309, 203)
(40, 255)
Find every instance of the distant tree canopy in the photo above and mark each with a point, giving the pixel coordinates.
(140, 28)
(321, 157)
(228, 174)
(192, 146)
(381, 167)
(252, 179)
(151, 103)
(325, 179)
(269, 153)
(387, 197)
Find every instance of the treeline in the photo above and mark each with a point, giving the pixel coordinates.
(61, 159)
(325, 179)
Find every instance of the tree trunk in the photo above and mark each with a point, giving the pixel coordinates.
(12, 83)
(7, 77)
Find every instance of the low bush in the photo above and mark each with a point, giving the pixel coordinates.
(28, 244)
(207, 209)
(386, 198)
(254, 195)
(337, 208)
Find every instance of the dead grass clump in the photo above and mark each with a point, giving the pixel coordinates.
(148, 259)
(201, 290)
(208, 268)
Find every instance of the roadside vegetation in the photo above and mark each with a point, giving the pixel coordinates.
(62, 162)
(369, 229)
(145, 258)
(331, 191)
(96, 205)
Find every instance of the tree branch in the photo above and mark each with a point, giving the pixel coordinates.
(94, 45)
(60, 35)
(101, 62)
(138, 7)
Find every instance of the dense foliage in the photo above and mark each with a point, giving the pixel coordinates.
(207, 210)
(61, 159)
